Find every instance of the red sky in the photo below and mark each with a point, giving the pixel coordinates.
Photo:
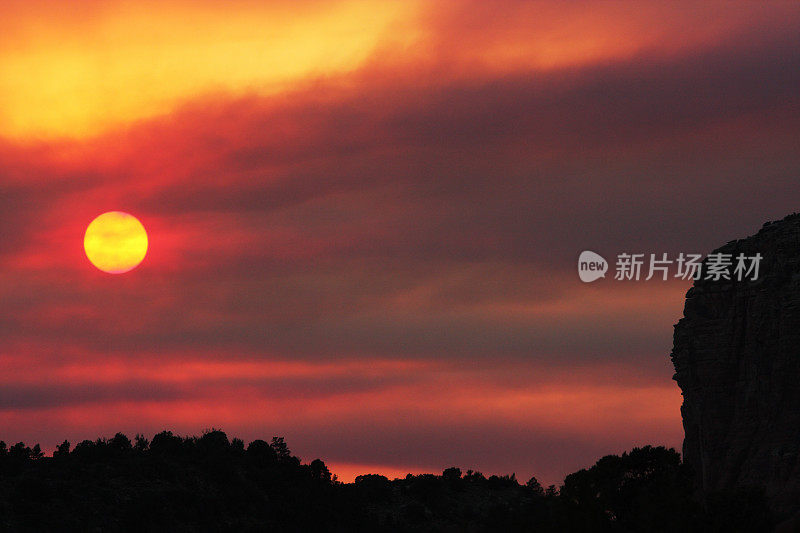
(364, 218)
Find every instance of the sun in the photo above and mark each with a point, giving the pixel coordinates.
(115, 242)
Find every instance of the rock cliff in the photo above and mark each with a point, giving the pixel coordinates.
(737, 360)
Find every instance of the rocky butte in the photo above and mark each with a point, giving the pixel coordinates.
(736, 353)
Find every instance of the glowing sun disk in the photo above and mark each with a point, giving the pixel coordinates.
(115, 242)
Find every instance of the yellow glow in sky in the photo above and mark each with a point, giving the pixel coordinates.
(76, 78)
(76, 69)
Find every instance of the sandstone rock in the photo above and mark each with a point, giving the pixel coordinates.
(737, 360)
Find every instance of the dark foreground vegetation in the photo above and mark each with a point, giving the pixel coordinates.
(209, 483)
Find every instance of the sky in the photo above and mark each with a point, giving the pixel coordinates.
(364, 218)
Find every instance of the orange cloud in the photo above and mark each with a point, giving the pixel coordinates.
(99, 65)
(123, 61)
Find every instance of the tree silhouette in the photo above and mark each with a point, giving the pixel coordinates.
(211, 483)
(535, 486)
(62, 450)
(281, 449)
(319, 471)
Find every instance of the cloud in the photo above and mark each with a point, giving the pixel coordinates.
(498, 417)
(424, 219)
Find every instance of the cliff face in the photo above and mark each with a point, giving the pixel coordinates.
(737, 360)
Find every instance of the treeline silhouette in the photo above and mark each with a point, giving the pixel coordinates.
(210, 483)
